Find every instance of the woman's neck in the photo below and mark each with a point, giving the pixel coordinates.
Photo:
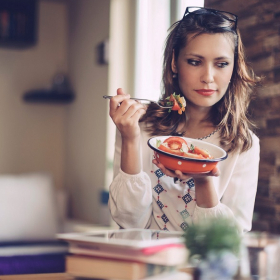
(198, 123)
(197, 115)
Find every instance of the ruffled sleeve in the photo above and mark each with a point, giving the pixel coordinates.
(220, 210)
(239, 196)
(130, 199)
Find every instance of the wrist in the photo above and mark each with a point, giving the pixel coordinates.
(202, 181)
(130, 139)
(130, 157)
(130, 142)
(206, 196)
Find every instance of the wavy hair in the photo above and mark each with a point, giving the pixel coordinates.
(230, 114)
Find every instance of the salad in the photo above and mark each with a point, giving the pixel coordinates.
(178, 146)
(178, 102)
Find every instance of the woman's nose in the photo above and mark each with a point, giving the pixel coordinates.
(207, 76)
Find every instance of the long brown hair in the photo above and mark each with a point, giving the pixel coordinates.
(230, 113)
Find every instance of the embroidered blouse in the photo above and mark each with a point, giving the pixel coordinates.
(152, 200)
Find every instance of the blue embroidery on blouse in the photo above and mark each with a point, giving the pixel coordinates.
(158, 188)
(190, 183)
(160, 204)
(164, 218)
(184, 225)
(159, 173)
(185, 214)
(187, 198)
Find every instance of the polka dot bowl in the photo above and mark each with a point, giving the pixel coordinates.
(185, 164)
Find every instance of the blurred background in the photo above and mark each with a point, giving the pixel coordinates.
(59, 57)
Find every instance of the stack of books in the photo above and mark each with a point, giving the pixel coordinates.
(32, 257)
(124, 254)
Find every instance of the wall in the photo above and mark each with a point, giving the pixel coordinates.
(87, 116)
(69, 141)
(32, 136)
(259, 23)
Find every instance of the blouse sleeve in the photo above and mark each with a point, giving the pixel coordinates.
(239, 197)
(130, 199)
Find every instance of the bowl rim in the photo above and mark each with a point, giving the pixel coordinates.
(187, 158)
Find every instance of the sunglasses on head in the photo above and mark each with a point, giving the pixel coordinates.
(232, 18)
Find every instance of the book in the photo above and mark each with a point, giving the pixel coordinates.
(150, 246)
(32, 257)
(32, 248)
(105, 268)
(32, 264)
(171, 256)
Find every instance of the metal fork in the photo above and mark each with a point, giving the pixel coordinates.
(144, 101)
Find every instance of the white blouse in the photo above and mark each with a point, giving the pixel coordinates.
(152, 200)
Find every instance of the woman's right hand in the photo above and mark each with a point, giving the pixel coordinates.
(126, 113)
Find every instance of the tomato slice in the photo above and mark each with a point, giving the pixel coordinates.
(199, 151)
(174, 145)
(176, 106)
(175, 142)
(202, 152)
(171, 151)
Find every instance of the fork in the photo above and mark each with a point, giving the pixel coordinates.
(145, 101)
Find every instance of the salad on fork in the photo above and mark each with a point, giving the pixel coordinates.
(174, 102)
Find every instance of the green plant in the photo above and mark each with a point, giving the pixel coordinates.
(215, 235)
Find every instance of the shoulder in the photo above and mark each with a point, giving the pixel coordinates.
(253, 153)
(255, 141)
(254, 147)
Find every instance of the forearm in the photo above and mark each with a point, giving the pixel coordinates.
(206, 196)
(130, 156)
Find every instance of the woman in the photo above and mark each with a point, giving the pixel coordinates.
(204, 62)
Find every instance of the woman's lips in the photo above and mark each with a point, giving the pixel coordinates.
(205, 92)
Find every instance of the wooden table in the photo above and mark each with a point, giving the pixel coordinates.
(45, 276)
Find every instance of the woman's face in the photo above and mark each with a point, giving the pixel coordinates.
(204, 67)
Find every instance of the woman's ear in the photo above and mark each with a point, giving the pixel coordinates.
(173, 63)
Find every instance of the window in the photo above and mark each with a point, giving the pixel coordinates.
(153, 19)
(152, 23)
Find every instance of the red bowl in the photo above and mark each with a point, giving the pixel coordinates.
(185, 164)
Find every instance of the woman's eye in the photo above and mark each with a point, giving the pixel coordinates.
(194, 62)
(222, 64)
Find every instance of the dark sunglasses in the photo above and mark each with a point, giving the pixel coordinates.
(232, 18)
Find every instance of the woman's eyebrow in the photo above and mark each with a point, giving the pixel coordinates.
(193, 54)
(202, 57)
(222, 57)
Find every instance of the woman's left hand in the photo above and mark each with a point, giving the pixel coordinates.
(205, 193)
